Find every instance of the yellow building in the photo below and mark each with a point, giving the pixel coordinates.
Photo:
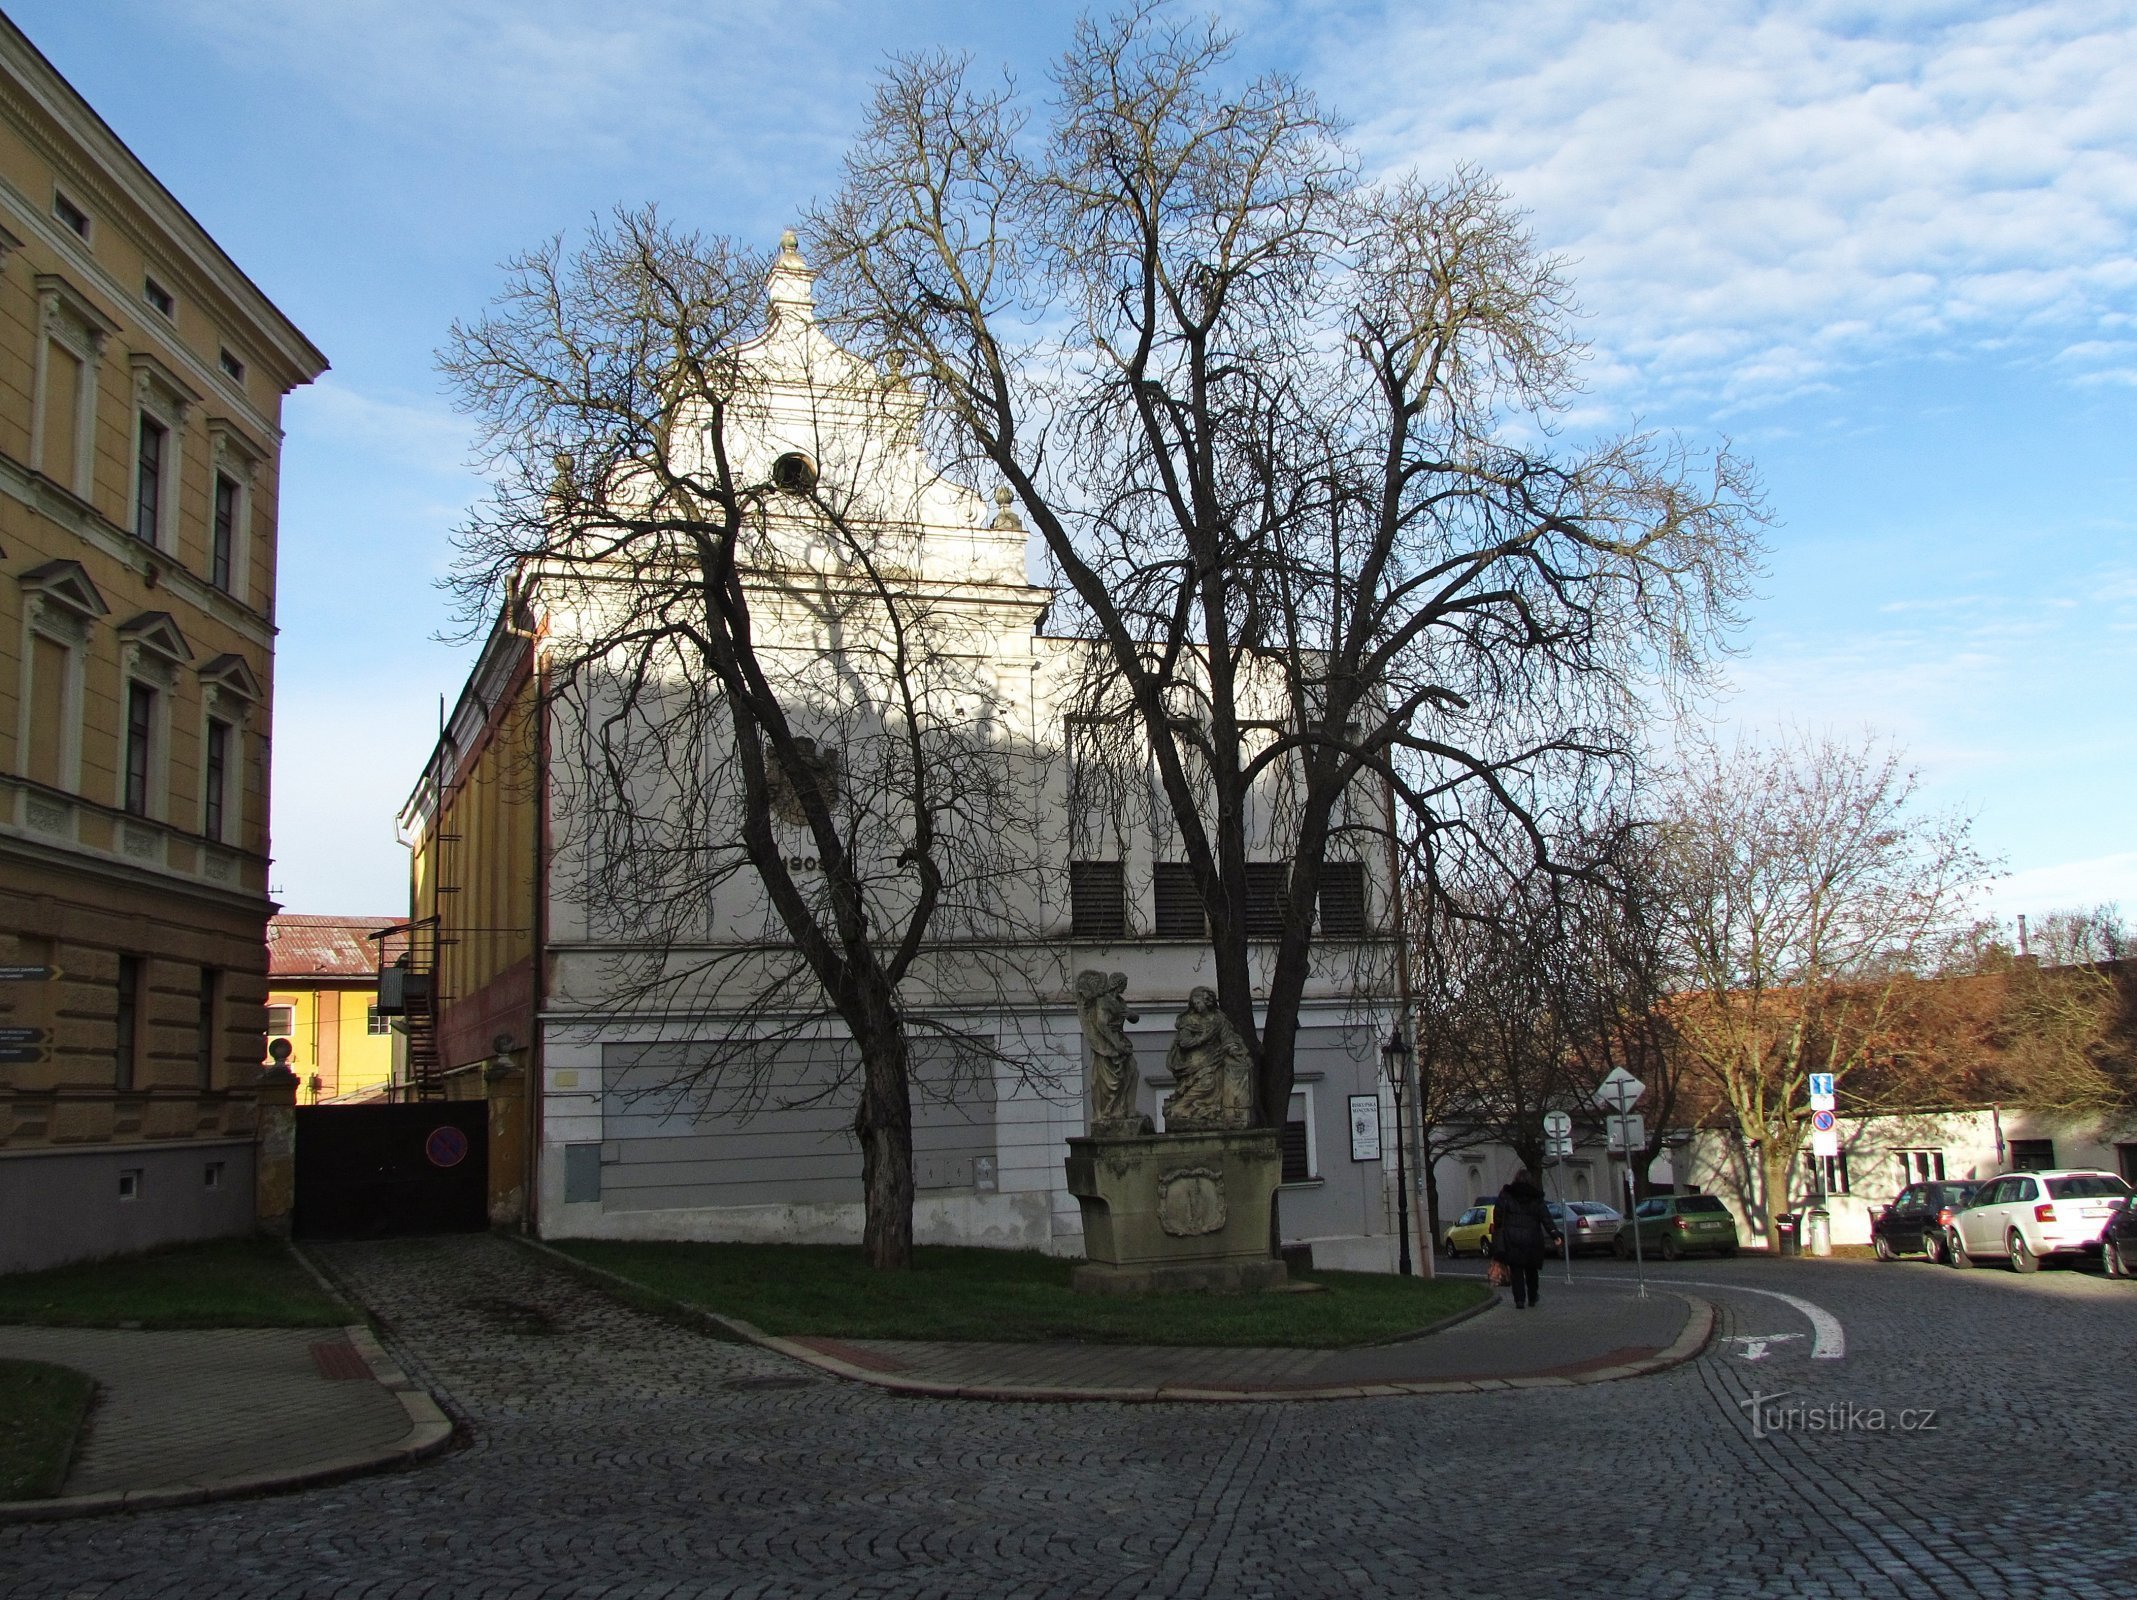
(141, 384)
(322, 996)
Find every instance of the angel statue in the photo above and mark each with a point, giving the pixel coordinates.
(1101, 1003)
(1212, 1074)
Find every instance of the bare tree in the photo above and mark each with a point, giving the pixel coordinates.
(1537, 983)
(2068, 1033)
(1809, 894)
(1284, 434)
(772, 718)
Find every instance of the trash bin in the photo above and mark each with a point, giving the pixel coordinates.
(1784, 1228)
(1818, 1232)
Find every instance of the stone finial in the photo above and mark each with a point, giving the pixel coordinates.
(791, 285)
(1005, 517)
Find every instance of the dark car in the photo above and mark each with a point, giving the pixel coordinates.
(1917, 1220)
(2118, 1242)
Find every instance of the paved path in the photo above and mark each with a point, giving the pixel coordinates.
(616, 1453)
(1598, 1331)
(179, 1410)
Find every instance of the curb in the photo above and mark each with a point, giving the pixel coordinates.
(429, 1431)
(1698, 1330)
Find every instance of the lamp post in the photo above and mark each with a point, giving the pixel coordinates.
(1395, 1059)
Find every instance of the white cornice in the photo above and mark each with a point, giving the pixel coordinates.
(55, 505)
(30, 84)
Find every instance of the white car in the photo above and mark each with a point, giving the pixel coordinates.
(2025, 1217)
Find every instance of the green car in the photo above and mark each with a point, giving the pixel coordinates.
(1671, 1224)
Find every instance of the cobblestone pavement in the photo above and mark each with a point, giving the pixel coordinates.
(615, 1453)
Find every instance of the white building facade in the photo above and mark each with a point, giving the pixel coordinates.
(715, 1104)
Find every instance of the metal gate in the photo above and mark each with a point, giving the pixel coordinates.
(371, 1172)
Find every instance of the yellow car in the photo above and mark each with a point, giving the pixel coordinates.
(1471, 1231)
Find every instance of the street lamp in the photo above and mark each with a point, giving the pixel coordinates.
(1395, 1060)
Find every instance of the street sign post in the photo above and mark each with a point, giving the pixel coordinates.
(1557, 1135)
(1627, 1134)
(1825, 1134)
(1619, 1092)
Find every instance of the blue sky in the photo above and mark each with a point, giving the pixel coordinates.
(1889, 248)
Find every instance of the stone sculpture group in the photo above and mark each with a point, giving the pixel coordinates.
(1188, 1208)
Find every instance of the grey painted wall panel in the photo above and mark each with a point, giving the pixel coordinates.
(65, 1205)
(777, 1131)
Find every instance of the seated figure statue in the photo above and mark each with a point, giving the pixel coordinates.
(1212, 1073)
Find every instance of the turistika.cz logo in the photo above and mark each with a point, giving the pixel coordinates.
(1770, 1415)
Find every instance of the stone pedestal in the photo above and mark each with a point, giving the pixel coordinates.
(274, 1166)
(1176, 1211)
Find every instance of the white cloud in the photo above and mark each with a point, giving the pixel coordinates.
(1758, 193)
(2065, 886)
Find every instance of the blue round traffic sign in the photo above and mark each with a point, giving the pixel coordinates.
(446, 1146)
(1822, 1121)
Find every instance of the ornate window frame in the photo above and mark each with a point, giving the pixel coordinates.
(230, 693)
(163, 397)
(62, 605)
(151, 653)
(232, 455)
(68, 318)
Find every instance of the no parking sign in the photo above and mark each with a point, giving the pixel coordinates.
(1825, 1134)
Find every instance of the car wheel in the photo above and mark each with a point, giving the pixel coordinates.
(1883, 1247)
(2022, 1259)
(1725, 1251)
(1448, 1246)
(2111, 1258)
(1933, 1247)
(1955, 1251)
(1670, 1252)
(1622, 1248)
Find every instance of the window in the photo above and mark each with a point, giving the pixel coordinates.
(231, 365)
(130, 1182)
(1831, 1171)
(51, 672)
(204, 1058)
(223, 548)
(2088, 1186)
(148, 480)
(1295, 1143)
(71, 214)
(140, 732)
(375, 1023)
(2032, 1155)
(281, 1021)
(1343, 899)
(1918, 1166)
(211, 1175)
(1176, 911)
(1268, 892)
(159, 297)
(1098, 900)
(128, 1017)
(63, 453)
(215, 778)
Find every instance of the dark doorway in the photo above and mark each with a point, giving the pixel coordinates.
(371, 1172)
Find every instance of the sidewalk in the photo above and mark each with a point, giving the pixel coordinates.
(1594, 1333)
(201, 1415)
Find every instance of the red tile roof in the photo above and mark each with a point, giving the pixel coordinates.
(327, 947)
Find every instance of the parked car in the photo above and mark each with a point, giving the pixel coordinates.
(1471, 1231)
(2118, 1241)
(2028, 1217)
(1671, 1224)
(1593, 1226)
(1918, 1218)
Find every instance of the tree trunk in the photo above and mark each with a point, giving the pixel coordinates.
(884, 1126)
(1774, 1167)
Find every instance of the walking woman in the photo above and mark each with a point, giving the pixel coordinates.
(1521, 1231)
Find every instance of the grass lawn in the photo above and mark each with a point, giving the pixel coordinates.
(1010, 1294)
(41, 1411)
(220, 1283)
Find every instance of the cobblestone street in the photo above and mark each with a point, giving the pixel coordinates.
(615, 1453)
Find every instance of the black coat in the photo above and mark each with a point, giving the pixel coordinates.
(1521, 1225)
